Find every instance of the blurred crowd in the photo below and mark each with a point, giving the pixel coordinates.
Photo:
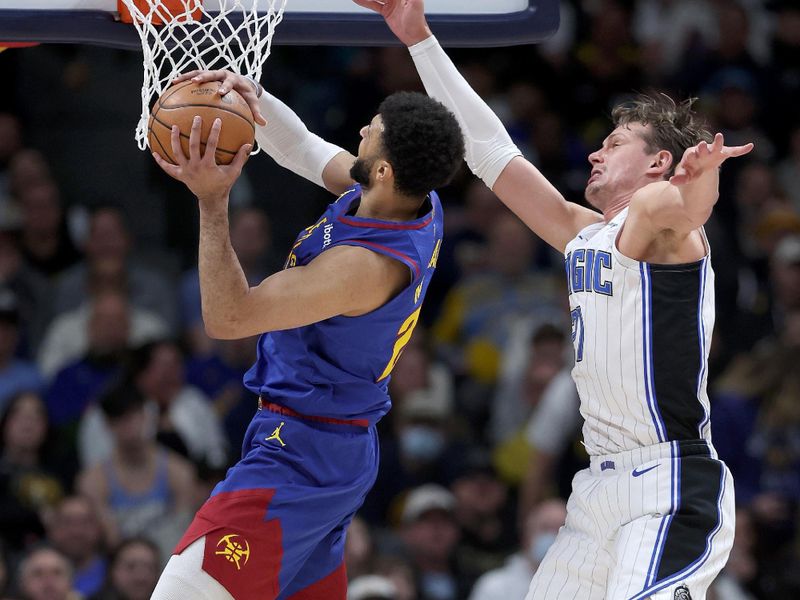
(118, 414)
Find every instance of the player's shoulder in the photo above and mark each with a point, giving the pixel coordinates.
(652, 198)
(584, 235)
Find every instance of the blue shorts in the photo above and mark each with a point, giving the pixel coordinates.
(275, 526)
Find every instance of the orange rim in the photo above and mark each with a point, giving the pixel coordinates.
(172, 8)
(7, 45)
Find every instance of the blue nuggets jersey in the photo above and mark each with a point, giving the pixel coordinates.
(340, 368)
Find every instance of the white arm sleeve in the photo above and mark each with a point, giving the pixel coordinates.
(488, 146)
(287, 140)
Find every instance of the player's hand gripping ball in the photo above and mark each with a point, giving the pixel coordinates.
(179, 104)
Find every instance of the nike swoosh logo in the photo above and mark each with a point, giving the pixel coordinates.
(636, 473)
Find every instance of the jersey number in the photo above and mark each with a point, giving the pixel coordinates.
(577, 333)
(403, 336)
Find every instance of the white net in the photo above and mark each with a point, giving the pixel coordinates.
(236, 35)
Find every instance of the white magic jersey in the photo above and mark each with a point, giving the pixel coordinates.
(641, 334)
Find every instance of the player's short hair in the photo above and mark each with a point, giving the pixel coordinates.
(422, 141)
(674, 127)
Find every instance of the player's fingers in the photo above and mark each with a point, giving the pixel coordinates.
(241, 157)
(186, 76)
(740, 150)
(212, 141)
(259, 118)
(228, 83)
(205, 76)
(167, 167)
(175, 142)
(194, 139)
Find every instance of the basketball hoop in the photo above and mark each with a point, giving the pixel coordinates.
(182, 35)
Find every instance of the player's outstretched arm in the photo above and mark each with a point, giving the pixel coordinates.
(283, 135)
(490, 152)
(684, 203)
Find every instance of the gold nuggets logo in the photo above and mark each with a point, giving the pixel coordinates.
(233, 550)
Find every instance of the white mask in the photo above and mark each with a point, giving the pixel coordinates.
(540, 545)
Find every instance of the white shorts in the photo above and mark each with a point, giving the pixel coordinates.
(656, 522)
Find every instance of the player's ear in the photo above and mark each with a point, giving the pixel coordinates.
(661, 163)
(383, 171)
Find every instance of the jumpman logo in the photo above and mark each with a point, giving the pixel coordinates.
(276, 435)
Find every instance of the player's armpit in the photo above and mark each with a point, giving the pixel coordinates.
(530, 196)
(344, 280)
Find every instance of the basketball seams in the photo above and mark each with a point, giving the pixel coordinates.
(168, 151)
(177, 88)
(234, 133)
(186, 137)
(164, 151)
(214, 106)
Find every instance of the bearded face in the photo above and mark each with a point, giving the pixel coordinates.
(360, 171)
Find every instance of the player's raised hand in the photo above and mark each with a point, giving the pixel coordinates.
(207, 180)
(248, 88)
(703, 157)
(406, 18)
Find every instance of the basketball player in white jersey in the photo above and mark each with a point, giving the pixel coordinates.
(653, 515)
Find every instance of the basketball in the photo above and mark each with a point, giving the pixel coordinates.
(179, 104)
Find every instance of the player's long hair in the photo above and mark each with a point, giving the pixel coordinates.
(422, 141)
(673, 126)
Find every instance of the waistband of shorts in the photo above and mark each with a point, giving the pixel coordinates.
(288, 412)
(630, 459)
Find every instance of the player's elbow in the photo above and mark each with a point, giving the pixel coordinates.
(220, 329)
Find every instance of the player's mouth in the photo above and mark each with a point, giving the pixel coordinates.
(594, 175)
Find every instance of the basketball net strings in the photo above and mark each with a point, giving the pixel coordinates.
(236, 38)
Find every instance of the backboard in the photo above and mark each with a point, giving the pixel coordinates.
(464, 23)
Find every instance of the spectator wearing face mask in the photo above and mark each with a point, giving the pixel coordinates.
(513, 579)
(419, 453)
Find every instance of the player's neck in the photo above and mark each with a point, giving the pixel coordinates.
(386, 206)
(616, 206)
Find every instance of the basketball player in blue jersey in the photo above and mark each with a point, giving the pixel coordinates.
(653, 515)
(333, 325)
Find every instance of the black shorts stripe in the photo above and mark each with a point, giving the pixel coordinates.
(678, 354)
(698, 514)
